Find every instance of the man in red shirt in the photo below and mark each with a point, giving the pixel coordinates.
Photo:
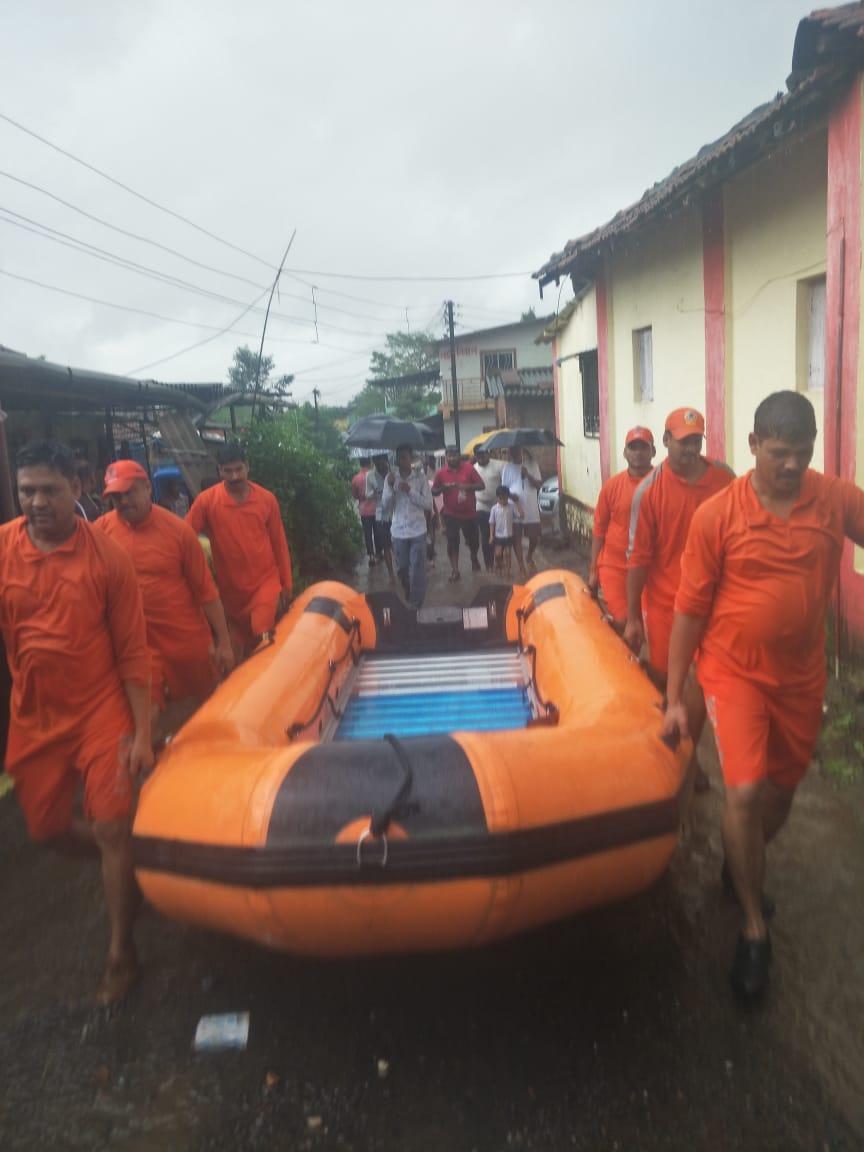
(186, 629)
(756, 579)
(608, 569)
(73, 628)
(250, 553)
(663, 506)
(459, 484)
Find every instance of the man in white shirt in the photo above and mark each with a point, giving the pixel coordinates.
(490, 472)
(408, 497)
(522, 477)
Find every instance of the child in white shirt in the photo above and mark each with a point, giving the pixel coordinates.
(501, 529)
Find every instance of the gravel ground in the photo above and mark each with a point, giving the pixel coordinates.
(616, 1030)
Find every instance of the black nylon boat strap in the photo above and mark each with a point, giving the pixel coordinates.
(380, 821)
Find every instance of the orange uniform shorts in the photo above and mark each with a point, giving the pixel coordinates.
(760, 734)
(46, 780)
(613, 584)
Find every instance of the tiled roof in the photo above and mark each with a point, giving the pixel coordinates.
(828, 44)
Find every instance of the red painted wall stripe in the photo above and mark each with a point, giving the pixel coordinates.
(844, 230)
(714, 280)
(603, 373)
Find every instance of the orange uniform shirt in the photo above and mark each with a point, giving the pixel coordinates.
(175, 580)
(663, 506)
(765, 583)
(73, 626)
(250, 551)
(612, 518)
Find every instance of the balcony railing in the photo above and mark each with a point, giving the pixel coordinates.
(471, 391)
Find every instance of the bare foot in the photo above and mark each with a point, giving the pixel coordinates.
(118, 980)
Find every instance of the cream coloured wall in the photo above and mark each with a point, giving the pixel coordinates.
(775, 215)
(580, 456)
(656, 281)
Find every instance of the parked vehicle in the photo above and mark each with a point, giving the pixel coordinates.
(547, 498)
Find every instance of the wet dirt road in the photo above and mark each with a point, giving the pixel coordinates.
(613, 1031)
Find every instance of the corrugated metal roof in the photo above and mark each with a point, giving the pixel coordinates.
(24, 380)
(828, 44)
(522, 382)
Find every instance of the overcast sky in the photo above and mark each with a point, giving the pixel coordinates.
(432, 141)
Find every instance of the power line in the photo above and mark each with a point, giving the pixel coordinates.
(156, 244)
(103, 254)
(295, 272)
(132, 192)
(160, 316)
(413, 279)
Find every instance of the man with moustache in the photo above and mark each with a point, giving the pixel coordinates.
(757, 575)
(186, 629)
(663, 506)
(243, 522)
(75, 638)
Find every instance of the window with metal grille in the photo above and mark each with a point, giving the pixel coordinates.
(499, 362)
(590, 394)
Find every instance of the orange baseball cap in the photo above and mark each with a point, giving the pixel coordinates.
(639, 433)
(685, 422)
(121, 475)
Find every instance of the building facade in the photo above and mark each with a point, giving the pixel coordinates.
(737, 276)
(489, 362)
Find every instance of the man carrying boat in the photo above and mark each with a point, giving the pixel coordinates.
(608, 568)
(186, 628)
(757, 576)
(73, 627)
(660, 515)
(243, 522)
(407, 498)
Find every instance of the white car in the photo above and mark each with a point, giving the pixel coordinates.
(547, 498)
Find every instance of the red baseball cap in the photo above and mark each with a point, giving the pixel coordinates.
(639, 433)
(685, 422)
(121, 475)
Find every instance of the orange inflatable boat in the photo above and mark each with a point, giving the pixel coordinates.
(381, 780)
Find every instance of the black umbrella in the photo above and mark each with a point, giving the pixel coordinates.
(385, 433)
(520, 438)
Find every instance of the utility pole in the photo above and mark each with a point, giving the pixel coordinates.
(453, 376)
(316, 392)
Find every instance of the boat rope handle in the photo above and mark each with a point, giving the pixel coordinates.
(380, 821)
(296, 728)
(548, 707)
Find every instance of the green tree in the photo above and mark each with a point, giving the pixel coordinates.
(244, 368)
(312, 490)
(406, 354)
(529, 315)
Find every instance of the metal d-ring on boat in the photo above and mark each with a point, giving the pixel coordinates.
(380, 780)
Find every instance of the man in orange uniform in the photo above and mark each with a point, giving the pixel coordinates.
(180, 598)
(663, 506)
(250, 552)
(73, 628)
(756, 580)
(608, 568)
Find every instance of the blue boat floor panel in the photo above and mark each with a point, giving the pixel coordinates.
(422, 714)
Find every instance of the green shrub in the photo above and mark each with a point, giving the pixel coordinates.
(323, 531)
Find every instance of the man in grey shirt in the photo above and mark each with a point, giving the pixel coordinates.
(408, 498)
